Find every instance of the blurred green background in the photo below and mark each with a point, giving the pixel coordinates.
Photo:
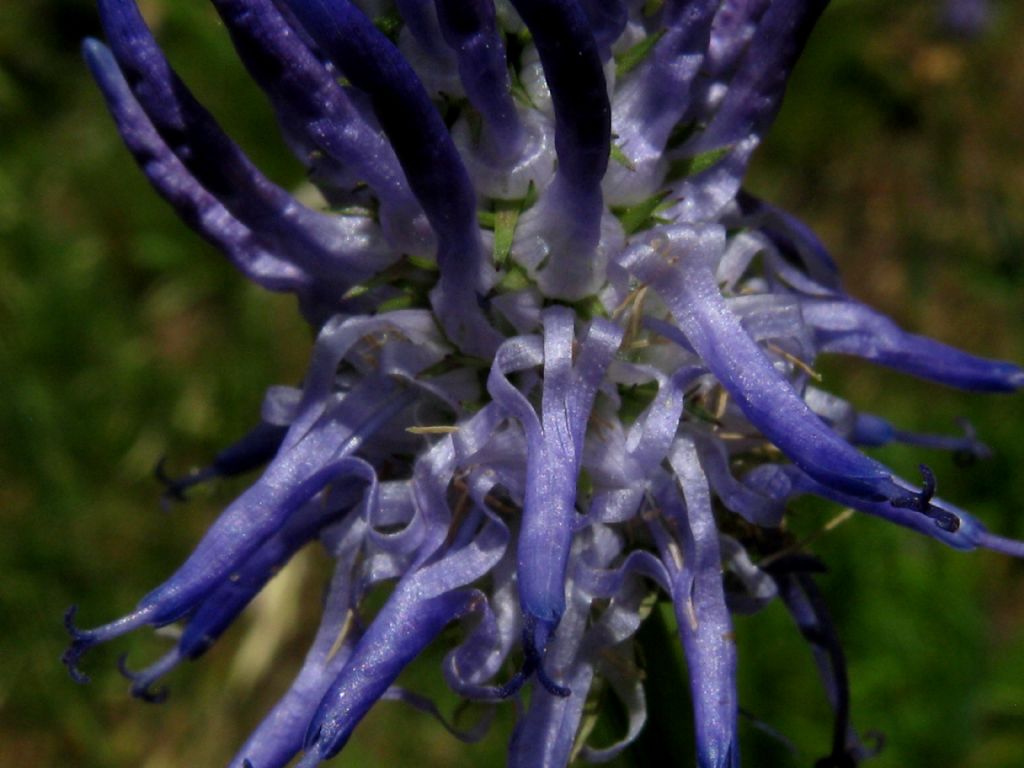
(124, 338)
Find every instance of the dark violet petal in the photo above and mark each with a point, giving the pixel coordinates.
(606, 583)
(733, 29)
(544, 737)
(753, 96)
(310, 104)
(662, 89)
(969, 532)
(257, 447)
(421, 20)
(197, 207)
(707, 195)
(705, 626)
(579, 92)
(762, 510)
(650, 437)
(793, 238)
(340, 337)
(872, 430)
(470, 28)
(143, 681)
(219, 610)
(607, 20)
(481, 655)
(807, 606)
(253, 450)
(84, 639)
(851, 328)
(572, 68)
(680, 270)
(428, 156)
(755, 92)
(334, 248)
(404, 628)
(519, 353)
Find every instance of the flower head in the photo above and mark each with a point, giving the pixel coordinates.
(563, 360)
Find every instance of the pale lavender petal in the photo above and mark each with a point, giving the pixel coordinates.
(553, 465)
(850, 328)
(279, 737)
(680, 270)
(703, 618)
(423, 603)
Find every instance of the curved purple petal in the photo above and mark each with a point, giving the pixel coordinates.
(428, 156)
(755, 92)
(807, 606)
(173, 181)
(470, 28)
(572, 67)
(326, 245)
(850, 328)
(424, 602)
(681, 271)
(553, 462)
(705, 626)
(258, 446)
(313, 109)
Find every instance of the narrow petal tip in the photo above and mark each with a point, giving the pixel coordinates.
(921, 502)
(80, 643)
(84, 639)
(175, 487)
(142, 682)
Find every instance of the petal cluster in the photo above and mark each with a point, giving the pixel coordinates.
(563, 364)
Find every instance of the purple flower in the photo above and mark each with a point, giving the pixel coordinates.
(551, 373)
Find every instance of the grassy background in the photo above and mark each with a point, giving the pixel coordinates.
(124, 338)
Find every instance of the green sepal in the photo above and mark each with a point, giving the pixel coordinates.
(690, 166)
(635, 399)
(620, 157)
(390, 24)
(514, 279)
(636, 218)
(503, 219)
(634, 56)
